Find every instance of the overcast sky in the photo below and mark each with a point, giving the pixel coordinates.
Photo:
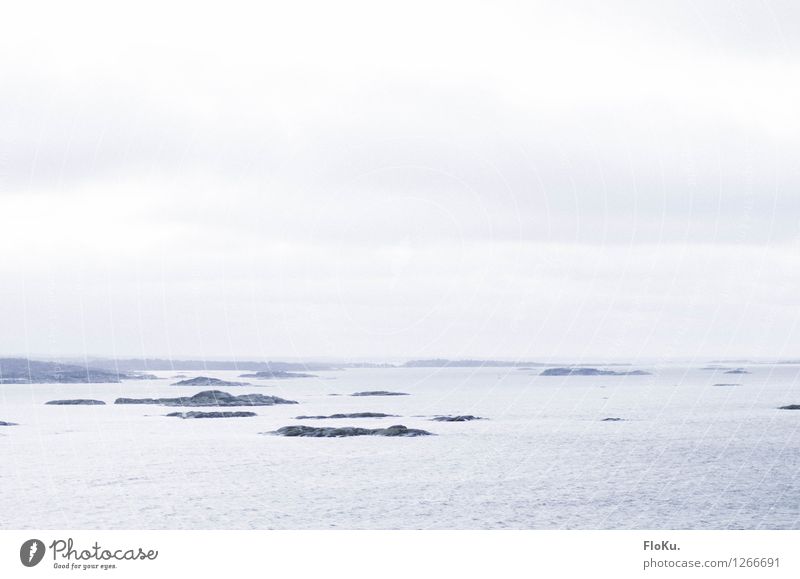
(613, 180)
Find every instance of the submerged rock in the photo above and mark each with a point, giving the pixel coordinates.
(459, 418)
(8, 423)
(77, 401)
(737, 371)
(580, 371)
(790, 407)
(352, 415)
(330, 432)
(196, 414)
(205, 381)
(379, 393)
(210, 398)
(276, 375)
(612, 419)
(726, 384)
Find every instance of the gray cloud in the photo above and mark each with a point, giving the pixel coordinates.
(561, 180)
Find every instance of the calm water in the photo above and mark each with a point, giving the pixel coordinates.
(688, 455)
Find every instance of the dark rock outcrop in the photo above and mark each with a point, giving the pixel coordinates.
(24, 371)
(210, 398)
(76, 402)
(580, 371)
(459, 418)
(379, 393)
(330, 432)
(196, 414)
(277, 375)
(205, 381)
(726, 384)
(141, 400)
(352, 415)
(736, 371)
(612, 419)
(8, 423)
(790, 407)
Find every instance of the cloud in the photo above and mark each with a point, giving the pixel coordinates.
(354, 180)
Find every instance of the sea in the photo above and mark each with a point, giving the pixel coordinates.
(694, 448)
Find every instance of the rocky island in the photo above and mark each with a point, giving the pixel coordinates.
(24, 371)
(330, 432)
(210, 398)
(77, 402)
(206, 381)
(352, 415)
(8, 423)
(459, 418)
(379, 393)
(581, 371)
(197, 414)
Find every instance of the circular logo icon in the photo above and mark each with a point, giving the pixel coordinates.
(31, 552)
